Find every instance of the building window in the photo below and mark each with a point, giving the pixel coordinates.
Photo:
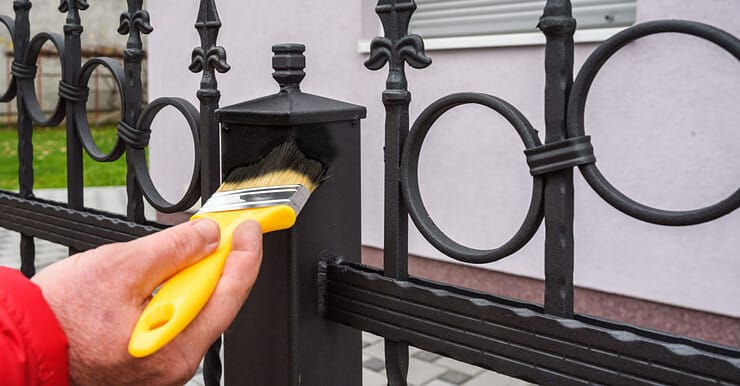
(457, 18)
(487, 23)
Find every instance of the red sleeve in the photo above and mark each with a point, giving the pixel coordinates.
(33, 347)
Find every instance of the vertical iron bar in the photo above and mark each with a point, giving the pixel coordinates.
(396, 47)
(395, 241)
(70, 75)
(558, 25)
(21, 40)
(208, 23)
(138, 23)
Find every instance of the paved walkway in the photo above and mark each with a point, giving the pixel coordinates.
(425, 368)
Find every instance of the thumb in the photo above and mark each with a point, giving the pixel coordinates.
(159, 256)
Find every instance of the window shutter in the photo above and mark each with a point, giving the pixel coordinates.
(454, 18)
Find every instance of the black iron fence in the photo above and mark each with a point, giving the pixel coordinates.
(313, 296)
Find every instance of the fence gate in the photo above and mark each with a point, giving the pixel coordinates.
(320, 297)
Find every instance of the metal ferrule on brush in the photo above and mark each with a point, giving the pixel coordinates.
(294, 196)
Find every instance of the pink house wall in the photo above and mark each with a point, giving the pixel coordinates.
(663, 115)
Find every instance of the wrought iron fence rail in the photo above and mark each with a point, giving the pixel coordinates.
(517, 338)
(57, 223)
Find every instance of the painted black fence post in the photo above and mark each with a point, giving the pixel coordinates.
(281, 336)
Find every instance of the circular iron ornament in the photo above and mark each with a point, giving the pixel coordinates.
(26, 87)
(192, 194)
(576, 107)
(80, 110)
(10, 92)
(410, 179)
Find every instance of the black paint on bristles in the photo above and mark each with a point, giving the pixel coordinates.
(284, 165)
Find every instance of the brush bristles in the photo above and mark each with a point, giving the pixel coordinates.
(284, 165)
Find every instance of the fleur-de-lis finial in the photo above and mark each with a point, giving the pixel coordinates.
(81, 5)
(397, 45)
(215, 58)
(135, 19)
(208, 56)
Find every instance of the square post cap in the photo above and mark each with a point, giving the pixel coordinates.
(290, 106)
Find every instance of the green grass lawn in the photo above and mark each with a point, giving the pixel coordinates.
(50, 159)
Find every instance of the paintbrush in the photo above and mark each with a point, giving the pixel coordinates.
(272, 192)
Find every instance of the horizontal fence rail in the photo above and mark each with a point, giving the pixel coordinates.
(54, 222)
(519, 339)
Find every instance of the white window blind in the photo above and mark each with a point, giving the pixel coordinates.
(458, 18)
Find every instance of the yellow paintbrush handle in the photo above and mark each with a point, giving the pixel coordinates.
(179, 300)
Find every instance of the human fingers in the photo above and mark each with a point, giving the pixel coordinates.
(237, 279)
(155, 258)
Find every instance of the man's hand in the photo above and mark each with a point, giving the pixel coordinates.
(98, 296)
